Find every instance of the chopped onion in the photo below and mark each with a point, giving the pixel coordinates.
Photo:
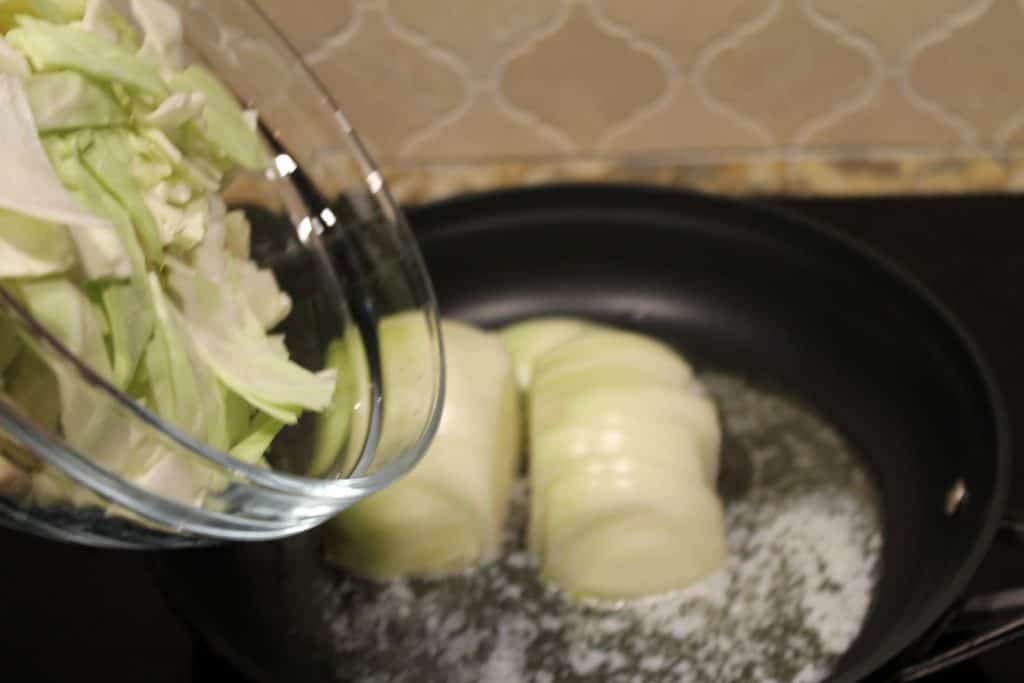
(449, 512)
(528, 340)
(624, 449)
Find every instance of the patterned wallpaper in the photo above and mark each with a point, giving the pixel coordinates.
(662, 82)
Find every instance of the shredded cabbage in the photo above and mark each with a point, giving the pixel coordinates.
(114, 236)
(30, 247)
(65, 100)
(49, 46)
(11, 61)
(163, 29)
(34, 190)
(52, 10)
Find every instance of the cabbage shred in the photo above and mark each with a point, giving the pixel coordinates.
(113, 235)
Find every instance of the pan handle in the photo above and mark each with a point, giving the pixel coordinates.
(1000, 615)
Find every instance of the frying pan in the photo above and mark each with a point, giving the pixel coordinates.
(757, 291)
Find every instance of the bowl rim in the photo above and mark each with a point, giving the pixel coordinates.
(327, 495)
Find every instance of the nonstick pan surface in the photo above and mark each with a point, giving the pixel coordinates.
(749, 291)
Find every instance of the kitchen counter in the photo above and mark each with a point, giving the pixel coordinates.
(70, 613)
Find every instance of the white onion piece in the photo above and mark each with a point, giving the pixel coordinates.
(449, 512)
(612, 534)
(528, 340)
(624, 455)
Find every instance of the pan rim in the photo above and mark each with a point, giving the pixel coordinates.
(434, 219)
(443, 216)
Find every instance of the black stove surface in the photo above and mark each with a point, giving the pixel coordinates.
(74, 614)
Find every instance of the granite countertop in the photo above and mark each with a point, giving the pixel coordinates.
(71, 613)
(766, 176)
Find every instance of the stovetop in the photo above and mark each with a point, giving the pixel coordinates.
(71, 613)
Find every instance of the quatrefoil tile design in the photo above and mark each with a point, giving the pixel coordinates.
(479, 33)
(975, 72)
(789, 74)
(891, 122)
(386, 84)
(479, 80)
(307, 24)
(682, 34)
(686, 123)
(892, 29)
(584, 79)
(486, 125)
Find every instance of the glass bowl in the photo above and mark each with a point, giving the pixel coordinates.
(323, 221)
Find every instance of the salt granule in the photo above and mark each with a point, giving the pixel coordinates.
(804, 542)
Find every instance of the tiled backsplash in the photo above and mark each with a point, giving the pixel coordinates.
(780, 95)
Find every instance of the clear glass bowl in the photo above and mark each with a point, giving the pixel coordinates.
(362, 303)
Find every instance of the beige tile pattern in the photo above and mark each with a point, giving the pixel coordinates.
(682, 28)
(387, 86)
(684, 124)
(308, 23)
(888, 123)
(711, 83)
(975, 73)
(479, 33)
(892, 27)
(789, 74)
(582, 79)
(485, 129)
(1013, 142)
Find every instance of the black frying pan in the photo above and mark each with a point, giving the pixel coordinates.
(761, 293)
